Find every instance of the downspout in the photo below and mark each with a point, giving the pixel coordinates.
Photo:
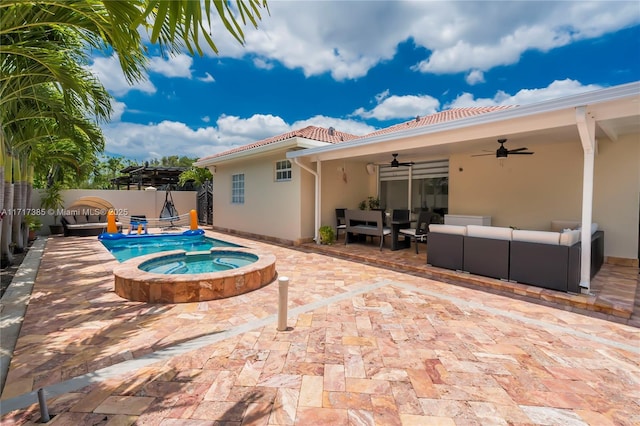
(586, 128)
(316, 176)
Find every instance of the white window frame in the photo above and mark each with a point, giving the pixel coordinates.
(282, 170)
(237, 188)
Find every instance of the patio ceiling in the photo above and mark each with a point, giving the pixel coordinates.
(616, 111)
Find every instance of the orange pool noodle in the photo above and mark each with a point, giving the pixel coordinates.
(111, 222)
(139, 228)
(194, 220)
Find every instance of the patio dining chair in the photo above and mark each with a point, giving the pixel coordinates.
(419, 233)
(341, 222)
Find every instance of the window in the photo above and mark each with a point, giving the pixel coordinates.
(237, 189)
(283, 170)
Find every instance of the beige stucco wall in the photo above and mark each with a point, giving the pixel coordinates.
(270, 209)
(530, 191)
(148, 203)
(336, 193)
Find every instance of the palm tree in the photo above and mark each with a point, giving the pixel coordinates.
(46, 94)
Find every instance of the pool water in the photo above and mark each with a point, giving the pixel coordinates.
(198, 263)
(127, 248)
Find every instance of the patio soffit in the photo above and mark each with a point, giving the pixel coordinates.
(616, 111)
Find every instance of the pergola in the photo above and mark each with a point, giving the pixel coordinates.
(144, 176)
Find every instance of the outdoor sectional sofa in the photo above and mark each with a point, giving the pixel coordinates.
(81, 225)
(87, 216)
(547, 259)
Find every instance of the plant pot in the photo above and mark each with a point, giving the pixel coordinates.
(32, 235)
(56, 229)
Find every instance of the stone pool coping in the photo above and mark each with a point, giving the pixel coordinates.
(137, 285)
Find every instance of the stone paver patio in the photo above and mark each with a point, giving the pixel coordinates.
(366, 345)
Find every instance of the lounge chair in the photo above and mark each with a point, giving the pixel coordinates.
(419, 233)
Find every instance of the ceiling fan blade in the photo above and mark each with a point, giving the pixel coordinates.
(517, 150)
(482, 155)
(520, 153)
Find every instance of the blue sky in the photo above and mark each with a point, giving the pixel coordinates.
(363, 65)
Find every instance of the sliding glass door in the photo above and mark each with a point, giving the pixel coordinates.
(421, 186)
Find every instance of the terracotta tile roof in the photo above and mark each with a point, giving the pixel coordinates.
(310, 132)
(437, 118)
(325, 135)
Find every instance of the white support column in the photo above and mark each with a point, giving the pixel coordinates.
(586, 128)
(318, 199)
(410, 189)
(316, 175)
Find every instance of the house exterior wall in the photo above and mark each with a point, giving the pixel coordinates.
(148, 203)
(336, 193)
(529, 191)
(270, 208)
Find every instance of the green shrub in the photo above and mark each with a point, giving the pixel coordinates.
(327, 236)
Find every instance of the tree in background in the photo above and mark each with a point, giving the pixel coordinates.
(197, 175)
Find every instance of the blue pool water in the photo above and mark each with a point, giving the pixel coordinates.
(198, 263)
(126, 248)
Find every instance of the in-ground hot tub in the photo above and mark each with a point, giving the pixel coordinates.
(180, 277)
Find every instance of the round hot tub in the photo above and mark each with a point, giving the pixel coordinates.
(181, 277)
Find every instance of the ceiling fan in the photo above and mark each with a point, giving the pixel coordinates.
(396, 163)
(503, 152)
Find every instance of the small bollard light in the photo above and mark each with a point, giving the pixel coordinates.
(283, 296)
(44, 411)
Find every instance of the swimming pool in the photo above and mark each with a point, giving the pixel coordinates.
(126, 248)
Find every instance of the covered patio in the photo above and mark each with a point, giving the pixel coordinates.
(583, 144)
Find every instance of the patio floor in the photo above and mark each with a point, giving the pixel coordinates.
(379, 338)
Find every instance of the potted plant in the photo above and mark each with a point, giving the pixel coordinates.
(327, 236)
(33, 223)
(371, 203)
(53, 203)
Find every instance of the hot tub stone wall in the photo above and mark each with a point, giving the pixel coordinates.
(137, 285)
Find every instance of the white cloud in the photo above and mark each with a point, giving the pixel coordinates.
(254, 128)
(501, 32)
(110, 74)
(206, 119)
(208, 78)
(118, 109)
(556, 89)
(347, 39)
(173, 66)
(263, 64)
(382, 95)
(144, 142)
(401, 107)
(348, 126)
(474, 77)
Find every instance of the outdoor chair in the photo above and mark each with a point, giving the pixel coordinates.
(400, 215)
(419, 233)
(341, 222)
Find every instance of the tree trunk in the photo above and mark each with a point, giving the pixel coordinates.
(16, 220)
(3, 213)
(18, 206)
(28, 187)
(5, 249)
